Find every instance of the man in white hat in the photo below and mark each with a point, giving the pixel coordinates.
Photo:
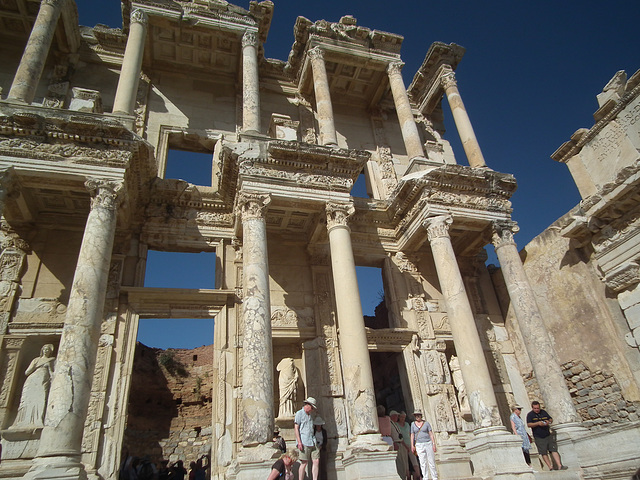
(305, 438)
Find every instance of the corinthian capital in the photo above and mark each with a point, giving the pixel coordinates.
(316, 53)
(448, 80)
(249, 39)
(438, 227)
(503, 233)
(253, 205)
(338, 214)
(104, 193)
(139, 16)
(57, 4)
(395, 68)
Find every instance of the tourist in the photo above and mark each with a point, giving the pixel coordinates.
(282, 467)
(278, 441)
(177, 471)
(303, 426)
(518, 427)
(539, 421)
(423, 444)
(402, 460)
(405, 428)
(384, 422)
(321, 442)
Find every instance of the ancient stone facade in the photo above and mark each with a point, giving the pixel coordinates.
(87, 125)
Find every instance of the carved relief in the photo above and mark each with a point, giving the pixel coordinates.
(285, 317)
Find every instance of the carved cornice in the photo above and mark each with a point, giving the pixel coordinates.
(253, 205)
(438, 227)
(338, 214)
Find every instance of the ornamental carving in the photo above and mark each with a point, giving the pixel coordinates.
(302, 179)
(438, 227)
(285, 317)
(139, 16)
(395, 68)
(315, 53)
(213, 219)
(448, 80)
(49, 151)
(104, 193)
(253, 205)
(249, 39)
(503, 233)
(402, 262)
(623, 277)
(338, 214)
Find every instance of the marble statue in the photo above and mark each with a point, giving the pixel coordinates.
(288, 383)
(36, 389)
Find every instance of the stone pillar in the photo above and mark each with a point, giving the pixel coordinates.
(408, 126)
(473, 366)
(250, 83)
(127, 90)
(463, 124)
(356, 364)
(557, 399)
(24, 85)
(323, 98)
(257, 351)
(59, 453)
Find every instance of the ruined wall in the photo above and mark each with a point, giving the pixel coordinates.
(169, 414)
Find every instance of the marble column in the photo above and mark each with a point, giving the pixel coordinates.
(59, 453)
(410, 133)
(257, 351)
(323, 98)
(461, 119)
(354, 350)
(250, 83)
(473, 366)
(25, 83)
(127, 90)
(557, 399)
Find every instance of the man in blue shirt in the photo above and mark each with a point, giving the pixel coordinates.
(539, 420)
(305, 438)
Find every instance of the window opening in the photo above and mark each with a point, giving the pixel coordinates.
(180, 270)
(359, 188)
(193, 167)
(372, 300)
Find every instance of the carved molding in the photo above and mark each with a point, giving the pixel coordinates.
(623, 277)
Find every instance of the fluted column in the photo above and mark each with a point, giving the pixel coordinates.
(250, 83)
(323, 98)
(557, 399)
(408, 126)
(33, 59)
(461, 119)
(354, 350)
(473, 366)
(126, 92)
(61, 441)
(257, 351)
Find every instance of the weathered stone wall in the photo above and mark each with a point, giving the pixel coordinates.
(169, 413)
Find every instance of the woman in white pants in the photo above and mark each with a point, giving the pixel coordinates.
(423, 444)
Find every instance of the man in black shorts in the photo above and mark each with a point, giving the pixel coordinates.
(539, 420)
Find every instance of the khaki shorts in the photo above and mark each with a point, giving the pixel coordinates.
(313, 452)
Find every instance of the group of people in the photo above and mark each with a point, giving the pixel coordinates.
(540, 422)
(414, 443)
(137, 468)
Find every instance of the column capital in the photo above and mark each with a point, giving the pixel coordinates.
(395, 67)
(503, 233)
(104, 193)
(448, 80)
(338, 214)
(253, 205)
(438, 227)
(316, 53)
(53, 3)
(249, 39)
(139, 16)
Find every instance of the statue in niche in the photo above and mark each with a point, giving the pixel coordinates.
(288, 384)
(456, 373)
(36, 389)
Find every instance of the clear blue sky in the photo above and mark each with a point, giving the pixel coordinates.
(528, 79)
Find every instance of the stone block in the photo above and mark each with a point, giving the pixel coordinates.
(632, 314)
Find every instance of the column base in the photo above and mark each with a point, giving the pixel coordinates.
(369, 457)
(56, 468)
(495, 453)
(452, 460)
